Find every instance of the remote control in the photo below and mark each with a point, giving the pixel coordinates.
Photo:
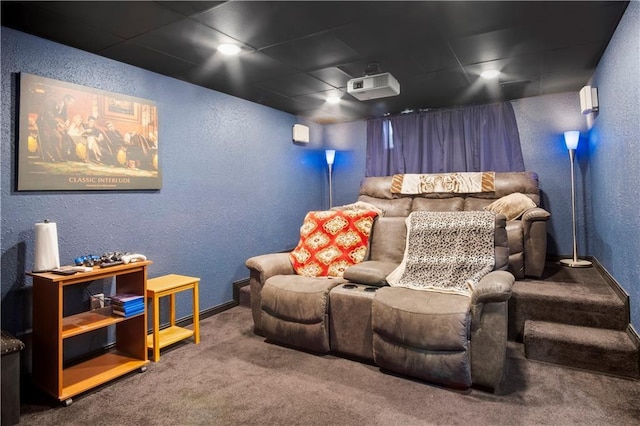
(60, 271)
(134, 257)
(109, 264)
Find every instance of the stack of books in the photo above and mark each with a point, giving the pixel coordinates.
(126, 305)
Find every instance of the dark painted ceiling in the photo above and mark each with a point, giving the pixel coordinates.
(295, 53)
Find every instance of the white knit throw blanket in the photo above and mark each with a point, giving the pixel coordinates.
(446, 252)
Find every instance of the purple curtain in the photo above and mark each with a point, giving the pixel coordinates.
(467, 139)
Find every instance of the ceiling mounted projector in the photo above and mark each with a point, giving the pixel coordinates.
(373, 87)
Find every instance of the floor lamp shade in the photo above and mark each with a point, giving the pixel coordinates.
(330, 155)
(571, 139)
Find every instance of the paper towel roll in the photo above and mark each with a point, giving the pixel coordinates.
(46, 254)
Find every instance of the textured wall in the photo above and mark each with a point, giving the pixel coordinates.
(615, 159)
(350, 142)
(234, 184)
(542, 121)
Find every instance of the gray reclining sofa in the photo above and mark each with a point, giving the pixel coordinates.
(447, 339)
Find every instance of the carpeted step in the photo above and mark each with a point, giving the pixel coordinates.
(595, 349)
(575, 303)
(245, 296)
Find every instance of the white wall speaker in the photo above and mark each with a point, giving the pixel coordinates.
(588, 99)
(300, 133)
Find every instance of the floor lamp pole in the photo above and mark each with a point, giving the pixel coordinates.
(575, 262)
(330, 185)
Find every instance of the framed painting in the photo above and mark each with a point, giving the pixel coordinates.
(72, 137)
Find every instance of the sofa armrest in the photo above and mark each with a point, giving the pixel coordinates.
(370, 272)
(495, 287)
(535, 214)
(534, 231)
(261, 268)
(268, 265)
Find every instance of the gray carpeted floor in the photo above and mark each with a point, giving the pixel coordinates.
(235, 378)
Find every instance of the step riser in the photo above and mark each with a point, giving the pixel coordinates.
(523, 309)
(618, 363)
(605, 351)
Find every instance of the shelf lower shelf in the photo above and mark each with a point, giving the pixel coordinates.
(91, 320)
(97, 371)
(169, 336)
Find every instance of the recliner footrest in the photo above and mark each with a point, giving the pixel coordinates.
(295, 310)
(423, 334)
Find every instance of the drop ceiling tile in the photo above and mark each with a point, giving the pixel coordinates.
(240, 70)
(449, 78)
(319, 99)
(334, 14)
(495, 45)
(393, 27)
(355, 69)
(401, 65)
(369, 38)
(125, 19)
(140, 56)
(313, 53)
(270, 99)
(29, 17)
(589, 22)
(263, 24)
(520, 89)
(584, 57)
(459, 19)
(518, 68)
(333, 76)
(408, 13)
(521, 67)
(188, 8)
(433, 57)
(295, 85)
(185, 39)
(564, 81)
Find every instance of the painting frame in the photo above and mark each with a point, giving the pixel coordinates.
(76, 138)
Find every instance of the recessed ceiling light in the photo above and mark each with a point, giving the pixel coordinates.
(229, 49)
(490, 73)
(333, 100)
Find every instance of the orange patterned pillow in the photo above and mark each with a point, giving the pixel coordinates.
(331, 241)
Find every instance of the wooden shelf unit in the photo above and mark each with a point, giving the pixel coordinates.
(51, 327)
